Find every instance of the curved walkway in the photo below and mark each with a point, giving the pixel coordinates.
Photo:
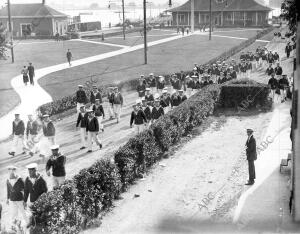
(34, 96)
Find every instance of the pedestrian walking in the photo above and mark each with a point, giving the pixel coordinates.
(148, 96)
(56, 162)
(175, 99)
(69, 57)
(248, 69)
(31, 73)
(18, 129)
(138, 117)
(110, 97)
(273, 84)
(35, 184)
(270, 70)
(82, 122)
(278, 71)
(49, 134)
(147, 106)
(165, 100)
(152, 83)
(92, 129)
(141, 88)
(283, 85)
(251, 156)
(160, 84)
(24, 72)
(99, 113)
(95, 94)
(32, 130)
(15, 196)
(182, 96)
(288, 49)
(81, 97)
(182, 30)
(117, 103)
(157, 110)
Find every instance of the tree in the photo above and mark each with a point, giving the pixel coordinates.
(290, 14)
(3, 40)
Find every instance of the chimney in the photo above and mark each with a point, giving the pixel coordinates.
(44, 2)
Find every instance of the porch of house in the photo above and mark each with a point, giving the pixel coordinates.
(222, 19)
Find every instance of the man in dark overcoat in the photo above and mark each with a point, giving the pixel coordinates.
(251, 156)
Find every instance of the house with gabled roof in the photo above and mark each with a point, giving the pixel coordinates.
(225, 13)
(35, 20)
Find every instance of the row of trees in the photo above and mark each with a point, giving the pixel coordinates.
(290, 13)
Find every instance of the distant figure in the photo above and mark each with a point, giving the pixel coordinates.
(69, 57)
(31, 73)
(251, 156)
(57, 36)
(24, 72)
(117, 103)
(182, 30)
(187, 31)
(82, 121)
(177, 30)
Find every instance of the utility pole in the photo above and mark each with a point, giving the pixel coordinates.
(192, 16)
(145, 31)
(10, 32)
(123, 9)
(210, 20)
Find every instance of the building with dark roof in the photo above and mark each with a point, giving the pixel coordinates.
(225, 13)
(35, 19)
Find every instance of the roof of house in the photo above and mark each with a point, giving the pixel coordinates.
(225, 5)
(37, 10)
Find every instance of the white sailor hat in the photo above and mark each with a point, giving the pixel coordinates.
(80, 86)
(180, 90)
(156, 96)
(161, 77)
(141, 75)
(165, 91)
(54, 147)
(195, 69)
(250, 130)
(89, 110)
(46, 115)
(12, 167)
(82, 106)
(151, 74)
(32, 166)
(97, 99)
(143, 99)
(194, 76)
(148, 89)
(138, 101)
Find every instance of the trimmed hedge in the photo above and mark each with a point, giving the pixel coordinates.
(244, 94)
(69, 102)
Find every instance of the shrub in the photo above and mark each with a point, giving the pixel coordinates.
(244, 94)
(97, 186)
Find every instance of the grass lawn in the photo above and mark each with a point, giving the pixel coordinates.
(41, 54)
(243, 34)
(162, 59)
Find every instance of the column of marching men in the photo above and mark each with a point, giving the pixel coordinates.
(155, 98)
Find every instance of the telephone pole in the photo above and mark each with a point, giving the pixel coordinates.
(145, 31)
(210, 20)
(123, 9)
(10, 32)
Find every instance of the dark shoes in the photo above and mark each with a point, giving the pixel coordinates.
(250, 182)
(11, 153)
(100, 146)
(83, 147)
(89, 151)
(31, 154)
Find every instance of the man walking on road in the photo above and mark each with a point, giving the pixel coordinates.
(251, 156)
(118, 103)
(15, 195)
(18, 129)
(92, 129)
(81, 97)
(69, 57)
(31, 73)
(32, 130)
(49, 133)
(57, 162)
(82, 121)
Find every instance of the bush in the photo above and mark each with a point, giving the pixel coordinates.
(244, 94)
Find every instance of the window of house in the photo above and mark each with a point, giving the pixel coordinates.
(181, 18)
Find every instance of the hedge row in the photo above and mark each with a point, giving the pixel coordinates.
(69, 102)
(244, 94)
(75, 205)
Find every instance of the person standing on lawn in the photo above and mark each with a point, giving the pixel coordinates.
(69, 57)
(18, 129)
(49, 133)
(138, 117)
(32, 130)
(24, 72)
(57, 162)
(35, 185)
(81, 97)
(15, 195)
(251, 156)
(99, 113)
(31, 73)
(95, 94)
(118, 103)
(82, 121)
(92, 129)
